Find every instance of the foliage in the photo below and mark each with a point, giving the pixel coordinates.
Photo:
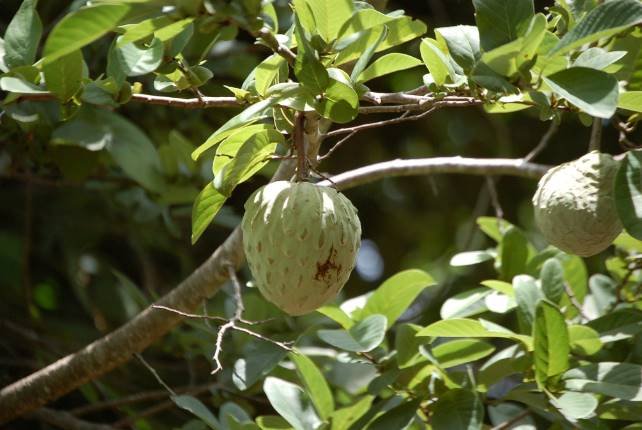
(543, 339)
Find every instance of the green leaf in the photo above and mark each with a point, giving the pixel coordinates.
(19, 85)
(80, 28)
(307, 67)
(344, 418)
(407, 345)
(228, 149)
(268, 72)
(196, 407)
(131, 59)
(603, 289)
(584, 340)
(63, 77)
(398, 292)
(458, 409)
(470, 258)
(607, 19)
(272, 422)
(206, 205)
(501, 21)
(22, 36)
(487, 78)
(364, 336)
(619, 380)
(593, 91)
(550, 341)
(128, 145)
(369, 51)
(552, 277)
(527, 296)
(340, 102)
(396, 418)
(337, 315)
(620, 410)
(575, 406)
(329, 16)
(465, 304)
(631, 100)
(628, 193)
(463, 44)
(597, 58)
(387, 64)
(258, 360)
(533, 38)
(365, 19)
(251, 157)
(503, 59)
(400, 30)
(291, 402)
(513, 253)
(162, 27)
(461, 351)
(315, 384)
(436, 61)
(463, 327)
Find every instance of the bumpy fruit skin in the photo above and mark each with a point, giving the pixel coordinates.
(301, 242)
(574, 205)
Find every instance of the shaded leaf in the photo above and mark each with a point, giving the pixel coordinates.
(550, 342)
(22, 36)
(291, 402)
(206, 205)
(63, 77)
(619, 380)
(500, 21)
(315, 384)
(364, 336)
(387, 64)
(469, 409)
(196, 407)
(628, 193)
(461, 351)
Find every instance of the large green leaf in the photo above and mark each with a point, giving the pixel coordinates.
(387, 64)
(206, 205)
(196, 407)
(464, 327)
(436, 61)
(619, 380)
(458, 409)
(605, 20)
(340, 102)
(597, 58)
(132, 59)
(501, 21)
(364, 336)
(128, 145)
(22, 36)
(307, 67)
(631, 100)
(575, 406)
(63, 77)
(552, 278)
(82, 27)
(315, 384)
(329, 16)
(17, 85)
(513, 253)
(628, 193)
(258, 360)
(527, 296)
(407, 345)
(550, 341)
(369, 51)
(462, 42)
(465, 304)
(292, 403)
(460, 351)
(268, 72)
(584, 340)
(396, 418)
(162, 27)
(593, 91)
(344, 418)
(250, 157)
(398, 292)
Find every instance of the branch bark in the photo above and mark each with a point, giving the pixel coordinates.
(117, 347)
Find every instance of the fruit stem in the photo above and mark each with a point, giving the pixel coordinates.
(596, 135)
(302, 171)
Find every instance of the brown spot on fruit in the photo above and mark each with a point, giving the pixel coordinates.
(325, 269)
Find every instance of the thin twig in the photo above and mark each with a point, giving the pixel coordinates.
(576, 303)
(335, 147)
(543, 142)
(596, 135)
(494, 197)
(268, 37)
(155, 373)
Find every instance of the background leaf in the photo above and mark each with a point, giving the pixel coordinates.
(291, 402)
(315, 384)
(63, 76)
(470, 411)
(364, 336)
(628, 193)
(550, 341)
(22, 36)
(500, 21)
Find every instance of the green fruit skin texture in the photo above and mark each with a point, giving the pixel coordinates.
(574, 205)
(301, 242)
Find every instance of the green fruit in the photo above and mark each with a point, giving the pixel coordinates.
(574, 205)
(301, 242)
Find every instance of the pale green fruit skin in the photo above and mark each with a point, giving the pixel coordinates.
(301, 242)
(574, 205)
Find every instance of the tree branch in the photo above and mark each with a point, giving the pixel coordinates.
(118, 347)
(65, 420)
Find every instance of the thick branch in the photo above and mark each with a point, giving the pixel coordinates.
(118, 347)
(428, 166)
